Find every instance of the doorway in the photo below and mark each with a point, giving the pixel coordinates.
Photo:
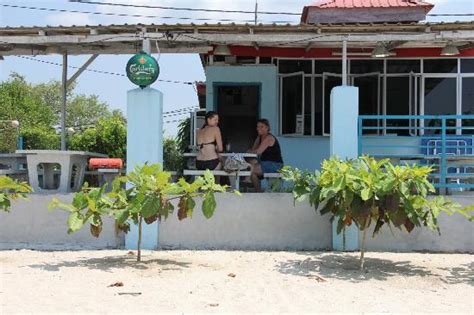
(238, 109)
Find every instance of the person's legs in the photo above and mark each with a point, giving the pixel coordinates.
(255, 177)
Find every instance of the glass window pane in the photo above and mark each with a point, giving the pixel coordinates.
(440, 99)
(366, 66)
(467, 65)
(398, 103)
(330, 82)
(307, 106)
(292, 101)
(318, 106)
(291, 66)
(332, 66)
(468, 103)
(440, 65)
(403, 66)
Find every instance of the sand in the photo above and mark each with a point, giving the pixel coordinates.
(190, 282)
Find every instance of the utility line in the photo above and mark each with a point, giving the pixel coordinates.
(99, 71)
(129, 15)
(222, 10)
(183, 9)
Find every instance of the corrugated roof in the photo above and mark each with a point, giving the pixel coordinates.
(365, 4)
(351, 4)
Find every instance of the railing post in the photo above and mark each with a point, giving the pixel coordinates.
(443, 164)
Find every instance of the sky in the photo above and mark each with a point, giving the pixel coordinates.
(181, 67)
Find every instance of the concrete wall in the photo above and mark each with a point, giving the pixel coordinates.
(253, 221)
(457, 235)
(30, 225)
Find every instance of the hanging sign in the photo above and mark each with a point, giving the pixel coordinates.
(142, 69)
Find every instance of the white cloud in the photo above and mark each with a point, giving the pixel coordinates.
(69, 18)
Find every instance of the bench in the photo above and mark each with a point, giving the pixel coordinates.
(234, 176)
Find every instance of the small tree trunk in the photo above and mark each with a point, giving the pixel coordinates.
(362, 246)
(139, 251)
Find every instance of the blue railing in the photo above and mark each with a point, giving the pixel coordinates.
(445, 143)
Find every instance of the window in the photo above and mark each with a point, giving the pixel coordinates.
(331, 66)
(467, 65)
(440, 99)
(292, 103)
(366, 66)
(403, 66)
(391, 86)
(467, 99)
(440, 65)
(398, 94)
(292, 66)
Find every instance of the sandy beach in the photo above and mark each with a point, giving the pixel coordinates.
(190, 282)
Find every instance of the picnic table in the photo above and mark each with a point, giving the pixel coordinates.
(234, 177)
(73, 166)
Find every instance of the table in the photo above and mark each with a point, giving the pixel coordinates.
(12, 161)
(73, 166)
(245, 155)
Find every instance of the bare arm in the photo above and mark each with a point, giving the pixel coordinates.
(220, 146)
(255, 146)
(267, 142)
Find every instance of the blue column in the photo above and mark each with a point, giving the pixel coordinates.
(343, 144)
(144, 145)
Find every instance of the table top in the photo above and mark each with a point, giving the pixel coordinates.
(12, 155)
(59, 152)
(245, 155)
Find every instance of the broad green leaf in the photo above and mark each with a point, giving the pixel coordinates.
(209, 205)
(75, 222)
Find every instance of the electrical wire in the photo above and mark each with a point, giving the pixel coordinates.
(224, 11)
(182, 9)
(130, 15)
(99, 71)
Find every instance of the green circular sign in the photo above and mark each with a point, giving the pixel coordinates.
(142, 69)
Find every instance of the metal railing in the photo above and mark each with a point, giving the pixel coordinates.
(446, 143)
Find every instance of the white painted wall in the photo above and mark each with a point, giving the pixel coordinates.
(457, 235)
(30, 225)
(250, 222)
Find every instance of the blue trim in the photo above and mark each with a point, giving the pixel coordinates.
(450, 155)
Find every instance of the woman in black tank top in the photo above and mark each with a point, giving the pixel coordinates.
(268, 149)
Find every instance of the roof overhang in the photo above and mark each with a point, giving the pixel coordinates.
(127, 39)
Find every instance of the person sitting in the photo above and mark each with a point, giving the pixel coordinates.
(209, 140)
(267, 147)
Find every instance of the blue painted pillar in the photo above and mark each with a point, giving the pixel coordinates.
(144, 145)
(343, 144)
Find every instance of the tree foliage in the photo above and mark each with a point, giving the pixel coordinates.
(11, 189)
(38, 107)
(148, 197)
(367, 192)
(108, 136)
(173, 159)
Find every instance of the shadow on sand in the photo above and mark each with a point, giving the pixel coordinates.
(346, 267)
(110, 263)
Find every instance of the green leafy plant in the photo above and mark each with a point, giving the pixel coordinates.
(11, 189)
(367, 192)
(145, 194)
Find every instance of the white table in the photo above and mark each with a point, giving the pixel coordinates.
(245, 155)
(12, 161)
(73, 166)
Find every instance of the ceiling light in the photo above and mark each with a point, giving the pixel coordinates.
(450, 50)
(380, 52)
(222, 50)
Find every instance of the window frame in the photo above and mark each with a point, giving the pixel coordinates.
(281, 77)
(418, 92)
